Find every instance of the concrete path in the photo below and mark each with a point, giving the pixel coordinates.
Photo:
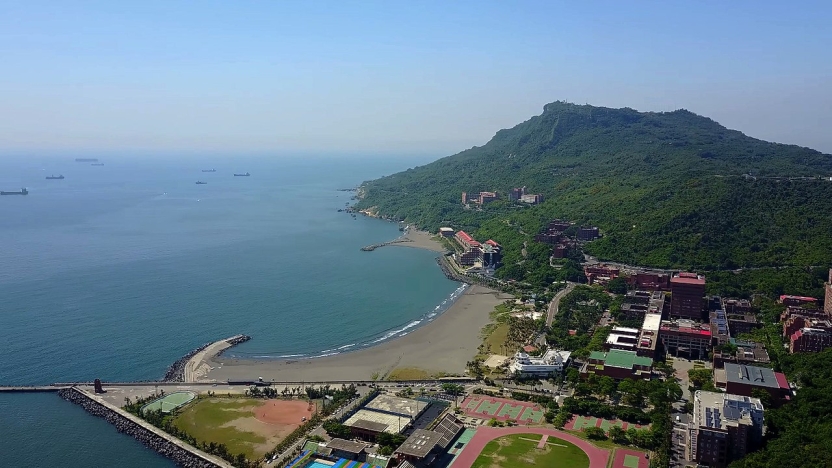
(555, 304)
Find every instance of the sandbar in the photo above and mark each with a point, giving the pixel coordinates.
(443, 345)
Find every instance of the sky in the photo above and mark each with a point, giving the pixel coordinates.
(396, 77)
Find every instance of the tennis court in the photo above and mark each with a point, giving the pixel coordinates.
(170, 402)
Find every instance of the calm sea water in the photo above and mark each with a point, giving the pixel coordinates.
(117, 270)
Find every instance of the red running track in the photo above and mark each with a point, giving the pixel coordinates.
(597, 457)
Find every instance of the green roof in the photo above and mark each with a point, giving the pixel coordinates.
(597, 355)
(623, 359)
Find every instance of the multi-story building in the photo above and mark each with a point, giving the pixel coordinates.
(552, 362)
(737, 306)
(516, 193)
(739, 323)
(622, 338)
(747, 353)
(480, 199)
(491, 253)
(648, 336)
(810, 340)
(588, 233)
(686, 337)
(487, 197)
(650, 281)
(532, 199)
(799, 301)
(446, 232)
(687, 292)
(600, 273)
(827, 298)
(619, 365)
(724, 428)
(720, 334)
(743, 380)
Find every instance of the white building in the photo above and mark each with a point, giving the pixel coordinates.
(551, 362)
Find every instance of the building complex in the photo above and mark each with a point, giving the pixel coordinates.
(724, 428)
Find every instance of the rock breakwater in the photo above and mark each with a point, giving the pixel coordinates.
(155, 441)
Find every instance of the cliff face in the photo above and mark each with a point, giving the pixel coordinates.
(669, 189)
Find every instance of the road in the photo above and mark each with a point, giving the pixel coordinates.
(555, 304)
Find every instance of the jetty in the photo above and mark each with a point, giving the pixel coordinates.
(196, 366)
(370, 248)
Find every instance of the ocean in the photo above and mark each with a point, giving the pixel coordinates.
(116, 271)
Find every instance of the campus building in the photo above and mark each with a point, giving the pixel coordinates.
(743, 380)
(384, 413)
(687, 292)
(686, 338)
(619, 365)
(748, 353)
(724, 428)
(423, 447)
(551, 362)
(810, 340)
(649, 281)
(600, 273)
(446, 232)
(588, 233)
(532, 199)
(799, 301)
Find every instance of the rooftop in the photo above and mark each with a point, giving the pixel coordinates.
(420, 443)
(652, 322)
(753, 375)
(464, 236)
(621, 358)
(393, 424)
(688, 278)
(396, 405)
(798, 298)
(721, 410)
(449, 427)
(346, 445)
(366, 425)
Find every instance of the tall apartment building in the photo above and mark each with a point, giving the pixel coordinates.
(516, 193)
(724, 428)
(687, 292)
(588, 233)
(810, 340)
(827, 299)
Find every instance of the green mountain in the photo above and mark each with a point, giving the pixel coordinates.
(669, 189)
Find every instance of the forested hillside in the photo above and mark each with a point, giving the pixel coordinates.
(667, 189)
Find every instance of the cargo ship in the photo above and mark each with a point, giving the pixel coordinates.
(199, 182)
(53, 177)
(209, 170)
(242, 175)
(22, 191)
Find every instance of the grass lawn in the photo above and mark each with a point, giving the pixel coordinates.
(408, 373)
(209, 421)
(521, 450)
(496, 338)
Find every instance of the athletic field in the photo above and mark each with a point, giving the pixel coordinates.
(578, 423)
(169, 402)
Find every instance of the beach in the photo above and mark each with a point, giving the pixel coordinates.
(444, 345)
(421, 240)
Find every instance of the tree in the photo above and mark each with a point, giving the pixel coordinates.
(595, 433)
(336, 429)
(617, 285)
(617, 434)
(701, 379)
(453, 389)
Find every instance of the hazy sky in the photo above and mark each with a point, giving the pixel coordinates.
(397, 77)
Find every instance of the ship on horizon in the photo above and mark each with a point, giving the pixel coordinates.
(22, 191)
(86, 159)
(199, 182)
(53, 177)
(97, 164)
(209, 170)
(242, 175)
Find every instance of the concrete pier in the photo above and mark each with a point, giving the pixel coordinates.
(197, 366)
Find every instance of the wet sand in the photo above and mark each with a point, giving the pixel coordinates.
(444, 345)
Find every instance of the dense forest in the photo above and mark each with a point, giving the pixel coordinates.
(670, 189)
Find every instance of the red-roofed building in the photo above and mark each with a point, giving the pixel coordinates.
(789, 300)
(810, 340)
(687, 292)
(600, 273)
(687, 338)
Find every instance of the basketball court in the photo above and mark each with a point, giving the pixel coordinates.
(486, 407)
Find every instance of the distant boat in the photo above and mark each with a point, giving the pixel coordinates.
(22, 191)
(242, 175)
(52, 177)
(199, 182)
(86, 159)
(97, 164)
(209, 170)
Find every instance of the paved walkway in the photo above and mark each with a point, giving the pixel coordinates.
(597, 457)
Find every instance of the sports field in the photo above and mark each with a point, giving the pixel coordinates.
(245, 425)
(578, 423)
(509, 447)
(169, 402)
(486, 407)
(531, 450)
(625, 458)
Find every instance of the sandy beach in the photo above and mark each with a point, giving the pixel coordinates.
(444, 345)
(421, 240)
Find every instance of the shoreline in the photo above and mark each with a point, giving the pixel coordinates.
(441, 346)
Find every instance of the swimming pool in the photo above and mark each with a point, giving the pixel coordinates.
(317, 464)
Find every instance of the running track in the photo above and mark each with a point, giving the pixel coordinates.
(597, 457)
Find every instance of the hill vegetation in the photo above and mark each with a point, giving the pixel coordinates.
(672, 190)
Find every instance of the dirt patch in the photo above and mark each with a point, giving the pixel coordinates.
(284, 412)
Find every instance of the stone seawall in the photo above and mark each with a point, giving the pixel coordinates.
(176, 371)
(165, 444)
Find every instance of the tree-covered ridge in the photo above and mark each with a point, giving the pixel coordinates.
(668, 189)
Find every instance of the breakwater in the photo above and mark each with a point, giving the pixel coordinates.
(451, 273)
(151, 437)
(370, 248)
(177, 371)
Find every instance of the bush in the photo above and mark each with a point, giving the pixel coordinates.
(595, 433)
